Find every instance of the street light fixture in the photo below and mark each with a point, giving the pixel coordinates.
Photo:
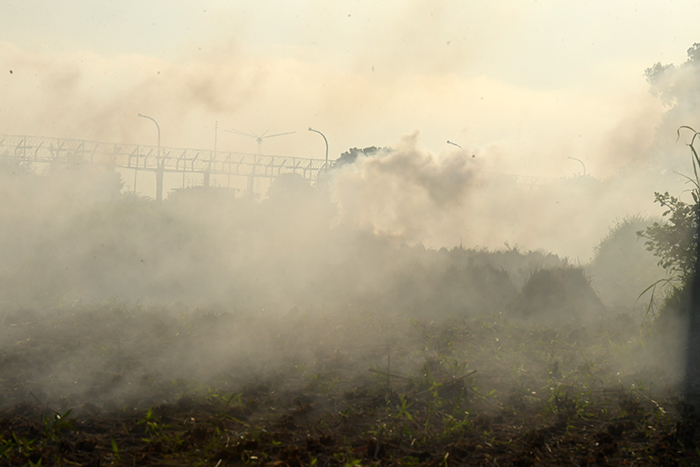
(324, 139)
(157, 126)
(159, 171)
(454, 144)
(584, 165)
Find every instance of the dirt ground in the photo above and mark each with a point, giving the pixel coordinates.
(122, 385)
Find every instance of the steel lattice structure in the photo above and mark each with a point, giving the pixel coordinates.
(139, 157)
(37, 149)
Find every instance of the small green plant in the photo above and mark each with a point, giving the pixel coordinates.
(410, 461)
(325, 383)
(115, 449)
(455, 427)
(6, 447)
(23, 445)
(435, 403)
(566, 407)
(55, 425)
(156, 429)
(352, 463)
(402, 410)
(235, 398)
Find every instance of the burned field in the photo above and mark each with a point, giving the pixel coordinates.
(264, 339)
(124, 385)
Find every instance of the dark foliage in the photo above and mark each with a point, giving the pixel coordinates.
(675, 241)
(558, 295)
(622, 266)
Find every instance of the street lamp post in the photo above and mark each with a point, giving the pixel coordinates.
(161, 166)
(454, 144)
(584, 165)
(324, 139)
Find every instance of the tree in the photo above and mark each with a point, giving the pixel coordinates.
(671, 83)
(678, 88)
(674, 241)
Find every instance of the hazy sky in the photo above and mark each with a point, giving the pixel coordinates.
(528, 83)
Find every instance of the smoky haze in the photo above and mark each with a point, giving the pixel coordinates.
(251, 287)
(212, 284)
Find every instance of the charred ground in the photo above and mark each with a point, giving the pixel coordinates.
(347, 387)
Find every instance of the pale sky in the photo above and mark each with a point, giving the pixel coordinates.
(363, 72)
(523, 85)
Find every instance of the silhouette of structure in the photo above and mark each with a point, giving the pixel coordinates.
(37, 150)
(34, 150)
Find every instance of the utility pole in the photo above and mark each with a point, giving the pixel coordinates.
(207, 173)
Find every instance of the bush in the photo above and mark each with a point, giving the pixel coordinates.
(622, 267)
(675, 242)
(558, 295)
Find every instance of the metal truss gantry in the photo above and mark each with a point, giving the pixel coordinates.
(32, 150)
(45, 150)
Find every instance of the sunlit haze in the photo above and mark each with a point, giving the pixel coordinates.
(325, 233)
(524, 87)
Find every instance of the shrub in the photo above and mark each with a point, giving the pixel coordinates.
(622, 267)
(558, 295)
(675, 242)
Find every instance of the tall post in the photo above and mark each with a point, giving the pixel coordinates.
(324, 139)
(161, 166)
(159, 183)
(207, 172)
